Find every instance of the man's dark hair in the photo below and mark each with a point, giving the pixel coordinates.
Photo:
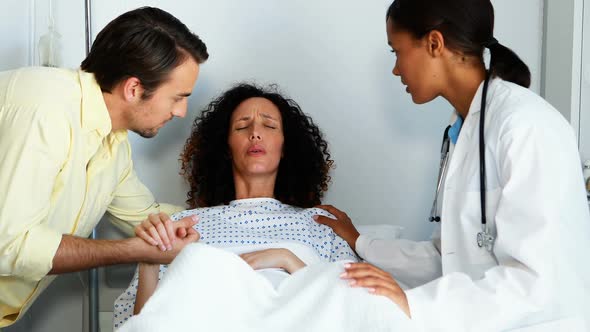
(147, 43)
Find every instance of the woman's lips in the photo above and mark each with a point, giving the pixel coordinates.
(256, 150)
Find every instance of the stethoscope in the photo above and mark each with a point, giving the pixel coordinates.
(484, 238)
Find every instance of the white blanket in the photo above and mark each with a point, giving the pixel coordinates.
(208, 289)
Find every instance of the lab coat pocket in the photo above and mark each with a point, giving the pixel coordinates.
(471, 226)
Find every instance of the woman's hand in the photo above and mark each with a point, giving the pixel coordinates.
(342, 225)
(377, 281)
(273, 258)
(159, 230)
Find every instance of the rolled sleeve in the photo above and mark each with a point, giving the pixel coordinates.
(35, 259)
(362, 245)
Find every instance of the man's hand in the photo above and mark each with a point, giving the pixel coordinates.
(76, 253)
(342, 225)
(159, 230)
(154, 255)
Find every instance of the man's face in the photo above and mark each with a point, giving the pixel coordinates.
(170, 99)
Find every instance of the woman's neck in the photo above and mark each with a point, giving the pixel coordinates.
(462, 86)
(254, 187)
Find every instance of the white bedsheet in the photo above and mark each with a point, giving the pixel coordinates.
(209, 289)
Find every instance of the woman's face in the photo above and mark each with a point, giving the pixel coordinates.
(414, 64)
(256, 138)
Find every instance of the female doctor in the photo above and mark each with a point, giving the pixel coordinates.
(524, 264)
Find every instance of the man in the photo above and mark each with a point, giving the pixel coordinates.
(65, 158)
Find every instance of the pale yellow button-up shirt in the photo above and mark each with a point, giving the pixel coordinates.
(61, 169)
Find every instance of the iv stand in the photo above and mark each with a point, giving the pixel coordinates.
(93, 323)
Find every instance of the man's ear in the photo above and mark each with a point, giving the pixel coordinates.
(435, 42)
(132, 89)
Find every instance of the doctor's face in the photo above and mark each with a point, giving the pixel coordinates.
(256, 139)
(413, 64)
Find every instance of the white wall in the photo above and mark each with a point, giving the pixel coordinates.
(14, 35)
(585, 87)
(562, 57)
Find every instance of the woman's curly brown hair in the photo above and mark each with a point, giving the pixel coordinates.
(303, 171)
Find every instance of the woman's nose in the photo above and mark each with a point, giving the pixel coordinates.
(255, 132)
(255, 135)
(395, 70)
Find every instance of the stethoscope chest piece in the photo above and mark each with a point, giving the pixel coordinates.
(485, 240)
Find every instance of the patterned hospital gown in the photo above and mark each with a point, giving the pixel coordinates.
(252, 221)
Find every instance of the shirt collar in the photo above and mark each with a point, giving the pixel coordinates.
(95, 115)
(455, 129)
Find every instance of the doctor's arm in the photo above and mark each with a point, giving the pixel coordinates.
(410, 262)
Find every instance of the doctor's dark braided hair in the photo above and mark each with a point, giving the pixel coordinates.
(468, 28)
(303, 171)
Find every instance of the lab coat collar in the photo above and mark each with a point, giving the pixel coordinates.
(475, 107)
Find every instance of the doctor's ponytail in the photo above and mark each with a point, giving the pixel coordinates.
(468, 28)
(505, 64)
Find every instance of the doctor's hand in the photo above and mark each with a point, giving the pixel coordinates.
(377, 281)
(342, 225)
(159, 230)
(273, 258)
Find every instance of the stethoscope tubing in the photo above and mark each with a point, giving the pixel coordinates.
(484, 238)
(444, 153)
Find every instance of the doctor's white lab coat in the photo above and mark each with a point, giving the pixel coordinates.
(537, 278)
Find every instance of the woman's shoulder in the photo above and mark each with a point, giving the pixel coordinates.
(515, 107)
(511, 97)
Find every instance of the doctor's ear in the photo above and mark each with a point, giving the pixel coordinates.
(435, 42)
(132, 89)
